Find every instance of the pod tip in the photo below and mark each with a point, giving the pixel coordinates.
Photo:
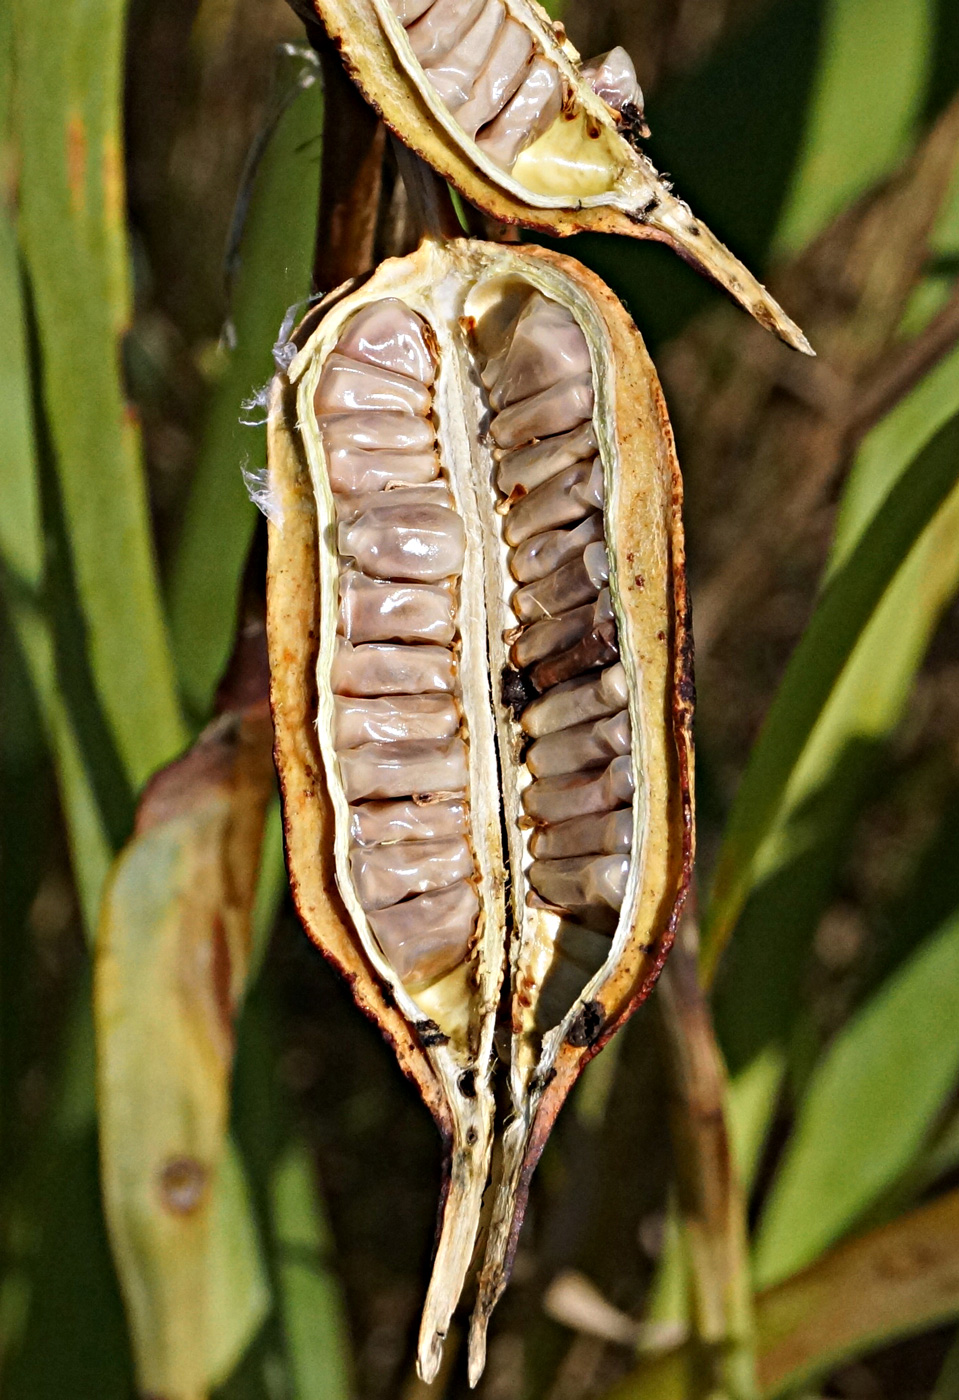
(429, 1357)
(477, 1348)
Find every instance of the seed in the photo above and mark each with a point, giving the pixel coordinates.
(378, 610)
(428, 936)
(380, 669)
(587, 697)
(528, 467)
(441, 28)
(385, 875)
(554, 410)
(611, 832)
(424, 543)
(580, 746)
(557, 799)
(454, 75)
(543, 554)
(613, 78)
(577, 581)
(388, 334)
(373, 823)
(498, 78)
(581, 882)
(398, 769)
(529, 113)
(393, 718)
(349, 386)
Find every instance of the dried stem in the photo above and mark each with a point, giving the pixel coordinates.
(351, 177)
(431, 204)
(711, 1201)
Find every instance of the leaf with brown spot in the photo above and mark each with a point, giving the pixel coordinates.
(171, 965)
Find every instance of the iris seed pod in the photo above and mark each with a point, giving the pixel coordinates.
(493, 96)
(482, 691)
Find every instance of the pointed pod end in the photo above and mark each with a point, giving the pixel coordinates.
(672, 223)
(430, 1356)
(770, 314)
(477, 1347)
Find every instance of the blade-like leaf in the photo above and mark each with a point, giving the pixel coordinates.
(22, 578)
(869, 90)
(72, 230)
(808, 833)
(889, 1283)
(784, 765)
(311, 1305)
(796, 857)
(274, 272)
(867, 1110)
(900, 1279)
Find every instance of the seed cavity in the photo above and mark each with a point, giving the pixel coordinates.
(400, 720)
(403, 763)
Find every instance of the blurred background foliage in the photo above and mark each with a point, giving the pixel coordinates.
(820, 138)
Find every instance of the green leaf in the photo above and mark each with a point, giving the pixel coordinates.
(311, 1304)
(870, 89)
(801, 737)
(276, 255)
(796, 851)
(22, 576)
(868, 1108)
(57, 1256)
(895, 1281)
(72, 229)
(796, 863)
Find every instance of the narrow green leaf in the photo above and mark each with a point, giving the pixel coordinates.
(22, 577)
(870, 89)
(58, 1252)
(784, 765)
(311, 1305)
(895, 1281)
(239, 1293)
(796, 864)
(270, 889)
(869, 1107)
(69, 72)
(797, 857)
(276, 255)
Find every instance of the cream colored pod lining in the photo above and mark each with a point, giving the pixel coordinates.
(500, 662)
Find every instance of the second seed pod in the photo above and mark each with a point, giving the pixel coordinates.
(482, 690)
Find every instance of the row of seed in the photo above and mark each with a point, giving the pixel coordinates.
(485, 68)
(566, 645)
(401, 545)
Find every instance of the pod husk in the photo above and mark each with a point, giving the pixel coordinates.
(655, 213)
(655, 605)
(645, 541)
(293, 637)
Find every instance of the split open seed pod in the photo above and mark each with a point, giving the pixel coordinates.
(482, 691)
(493, 96)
